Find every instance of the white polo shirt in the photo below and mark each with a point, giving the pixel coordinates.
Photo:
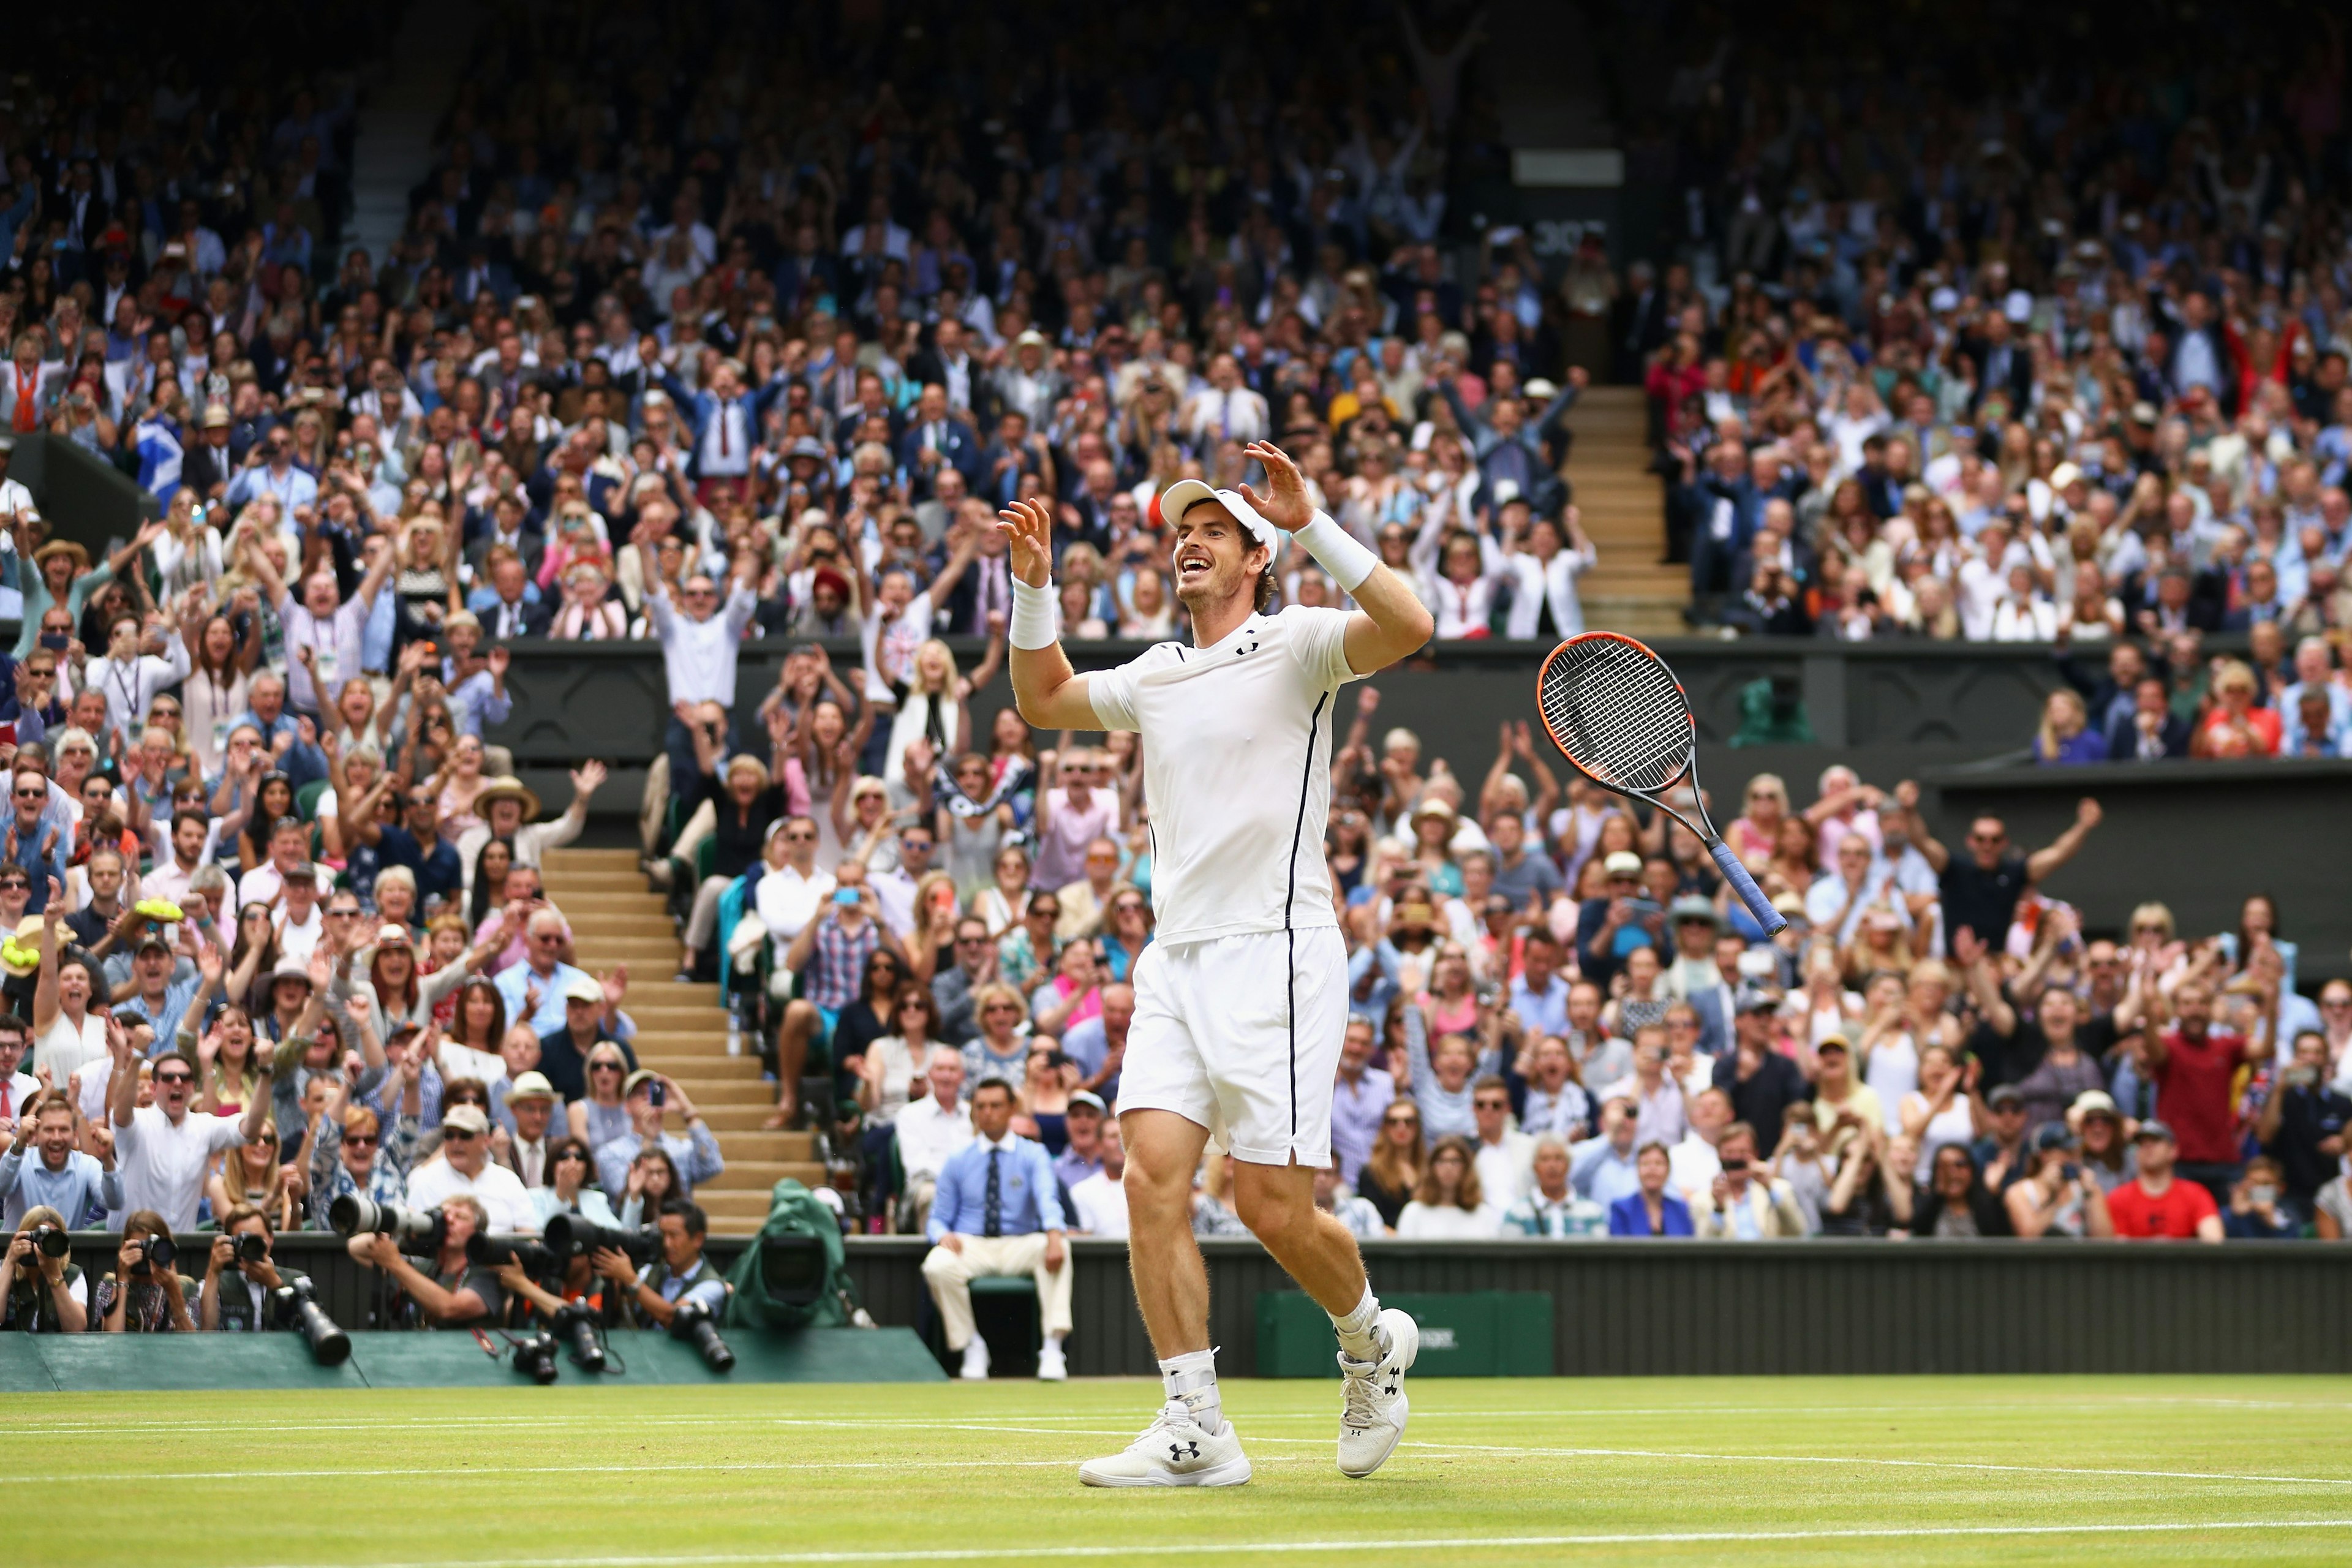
(499, 1190)
(1237, 766)
(163, 1161)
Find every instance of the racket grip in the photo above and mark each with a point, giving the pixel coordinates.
(1745, 885)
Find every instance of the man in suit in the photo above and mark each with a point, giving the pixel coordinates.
(207, 467)
(1725, 509)
(948, 364)
(935, 439)
(2152, 731)
(508, 513)
(2003, 363)
(1226, 410)
(509, 605)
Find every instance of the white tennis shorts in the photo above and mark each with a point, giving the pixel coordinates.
(1242, 1035)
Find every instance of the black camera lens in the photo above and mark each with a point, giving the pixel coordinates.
(250, 1248)
(534, 1357)
(50, 1241)
(692, 1323)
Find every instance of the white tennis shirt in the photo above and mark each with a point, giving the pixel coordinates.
(1237, 768)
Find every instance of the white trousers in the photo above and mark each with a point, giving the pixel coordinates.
(950, 1274)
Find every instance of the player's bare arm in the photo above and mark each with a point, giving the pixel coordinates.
(1389, 621)
(1049, 693)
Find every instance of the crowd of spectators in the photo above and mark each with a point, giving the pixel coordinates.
(2053, 353)
(704, 357)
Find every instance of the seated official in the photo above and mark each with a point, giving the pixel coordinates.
(681, 1274)
(998, 1212)
(237, 1295)
(39, 1294)
(455, 1294)
(146, 1294)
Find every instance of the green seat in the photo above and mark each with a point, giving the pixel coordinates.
(306, 799)
(1005, 1284)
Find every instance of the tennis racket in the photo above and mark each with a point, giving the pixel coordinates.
(1616, 711)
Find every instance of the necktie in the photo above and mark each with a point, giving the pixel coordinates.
(726, 447)
(7, 1100)
(991, 1206)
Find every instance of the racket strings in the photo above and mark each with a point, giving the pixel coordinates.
(1617, 711)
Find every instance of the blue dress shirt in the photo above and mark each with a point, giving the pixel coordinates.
(1027, 1198)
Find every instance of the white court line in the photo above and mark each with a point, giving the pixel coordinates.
(34, 1428)
(1432, 1448)
(490, 1473)
(1400, 1543)
(1865, 1459)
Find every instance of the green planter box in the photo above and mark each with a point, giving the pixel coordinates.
(1466, 1333)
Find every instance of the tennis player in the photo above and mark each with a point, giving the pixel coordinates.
(1240, 1002)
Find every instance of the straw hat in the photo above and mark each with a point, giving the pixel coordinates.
(506, 786)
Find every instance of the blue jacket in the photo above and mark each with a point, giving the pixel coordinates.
(1628, 1216)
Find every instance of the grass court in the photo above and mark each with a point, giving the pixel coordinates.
(1760, 1471)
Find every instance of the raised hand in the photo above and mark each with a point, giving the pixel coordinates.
(1286, 507)
(1028, 529)
(588, 778)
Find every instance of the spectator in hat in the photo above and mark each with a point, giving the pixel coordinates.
(532, 1100)
(466, 1168)
(1614, 924)
(1761, 1082)
(159, 998)
(694, 1153)
(2155, 1205)
(2001, 1153)
(1083, 1122)
(509, 809)
(2055, 1195)
(299, 921)
(563, 1052)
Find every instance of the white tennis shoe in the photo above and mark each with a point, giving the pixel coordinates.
(1173, 1452)
(1372, 1417)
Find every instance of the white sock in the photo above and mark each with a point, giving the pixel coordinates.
(1359, 1330)
(1193, 1378)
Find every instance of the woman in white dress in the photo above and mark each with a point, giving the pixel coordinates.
(1945, 1108)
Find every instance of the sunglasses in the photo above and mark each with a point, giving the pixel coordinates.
(176, 1078)
(1400, 1120)
(358, 1141)
(603, 1066)
(457, 1135)
(572, 1154)
(800, 838)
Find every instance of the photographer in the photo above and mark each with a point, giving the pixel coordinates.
(236, 1296)
(457, 1294)
(683, 1274)
(40, 1294)
(60, 1176)
(145, 1294)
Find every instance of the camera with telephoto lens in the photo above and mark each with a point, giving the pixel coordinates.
(420, 1232)
(534, 1357)
(486, 1249)
(50, 1241)
(571, 1234)
(295, 1305)
(156, 1254)
(691, 1322)
(248, 1248)
(575, 1326)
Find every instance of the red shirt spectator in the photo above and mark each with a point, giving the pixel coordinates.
(2193, 1069)
(2157, 1208)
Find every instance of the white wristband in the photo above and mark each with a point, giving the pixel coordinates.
(1337, 552)
(1032, 617)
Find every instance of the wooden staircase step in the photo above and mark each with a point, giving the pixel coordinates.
(791, 1148)
(706, 1066)
(760, 1174)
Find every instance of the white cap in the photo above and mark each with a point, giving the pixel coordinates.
(1185, 494)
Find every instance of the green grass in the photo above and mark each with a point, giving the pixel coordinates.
(1935, 1471)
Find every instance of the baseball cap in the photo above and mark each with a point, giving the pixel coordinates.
(303, 871)
(1753, 998)
(2094, 1102)
(2153, 1129)
(2005, 1094)
(638, 1080)
(583, 988)
(1089, 1097)
(1692, 907)
(530, 1086)
(153, 941)
(1185, 494)
(1622, 863)
(394, 933)
(2052, 1135)
(1833, 1042)
(466, 1118)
